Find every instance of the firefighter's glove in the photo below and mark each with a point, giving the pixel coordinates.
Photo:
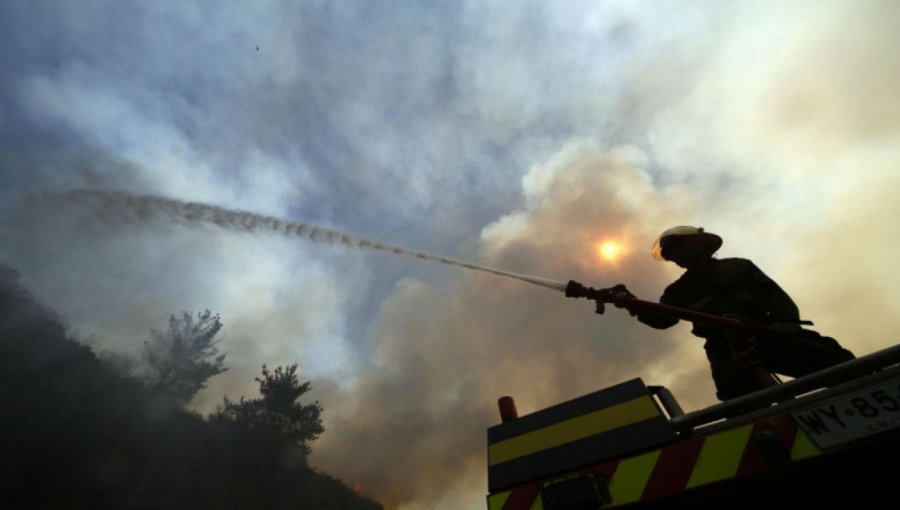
(619, 293)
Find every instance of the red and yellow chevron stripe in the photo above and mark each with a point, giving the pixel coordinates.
(673, 469)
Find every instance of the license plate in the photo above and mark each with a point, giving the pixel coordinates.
(855, 416)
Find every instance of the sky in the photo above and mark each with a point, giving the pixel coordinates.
(513, 135)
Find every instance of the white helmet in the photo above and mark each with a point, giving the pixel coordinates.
(712, 240)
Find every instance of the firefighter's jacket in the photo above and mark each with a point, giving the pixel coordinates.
(737, 286)
(725, 286)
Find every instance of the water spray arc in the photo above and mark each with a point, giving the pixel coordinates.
(135, 208)
(130, 207)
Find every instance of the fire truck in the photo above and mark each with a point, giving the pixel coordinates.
(831, 438)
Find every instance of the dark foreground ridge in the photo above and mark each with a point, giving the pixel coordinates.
(76, 434)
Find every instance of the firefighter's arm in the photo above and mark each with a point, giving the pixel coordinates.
(656, 321)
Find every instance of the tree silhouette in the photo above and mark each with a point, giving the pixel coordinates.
(278, 414)
(178, 362)
(76, 434)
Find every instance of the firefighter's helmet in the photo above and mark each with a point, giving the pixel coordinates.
(712, 240)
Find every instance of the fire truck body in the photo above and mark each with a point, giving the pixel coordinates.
(829, 438)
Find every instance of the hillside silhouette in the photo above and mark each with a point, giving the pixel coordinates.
(77, 433)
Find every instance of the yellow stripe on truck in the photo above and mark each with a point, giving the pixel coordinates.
(631, 477)
(803, 446)
(613, 417)
(720, 457)
(496, 501)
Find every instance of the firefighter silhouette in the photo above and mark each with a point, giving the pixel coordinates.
(741, 362)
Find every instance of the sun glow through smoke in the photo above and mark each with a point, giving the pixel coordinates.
(609, 251)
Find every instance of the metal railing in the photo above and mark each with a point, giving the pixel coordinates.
(832, 376)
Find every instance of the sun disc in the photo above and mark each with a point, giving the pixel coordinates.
(609, 250)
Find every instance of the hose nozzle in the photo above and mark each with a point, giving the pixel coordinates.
(577, 290)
